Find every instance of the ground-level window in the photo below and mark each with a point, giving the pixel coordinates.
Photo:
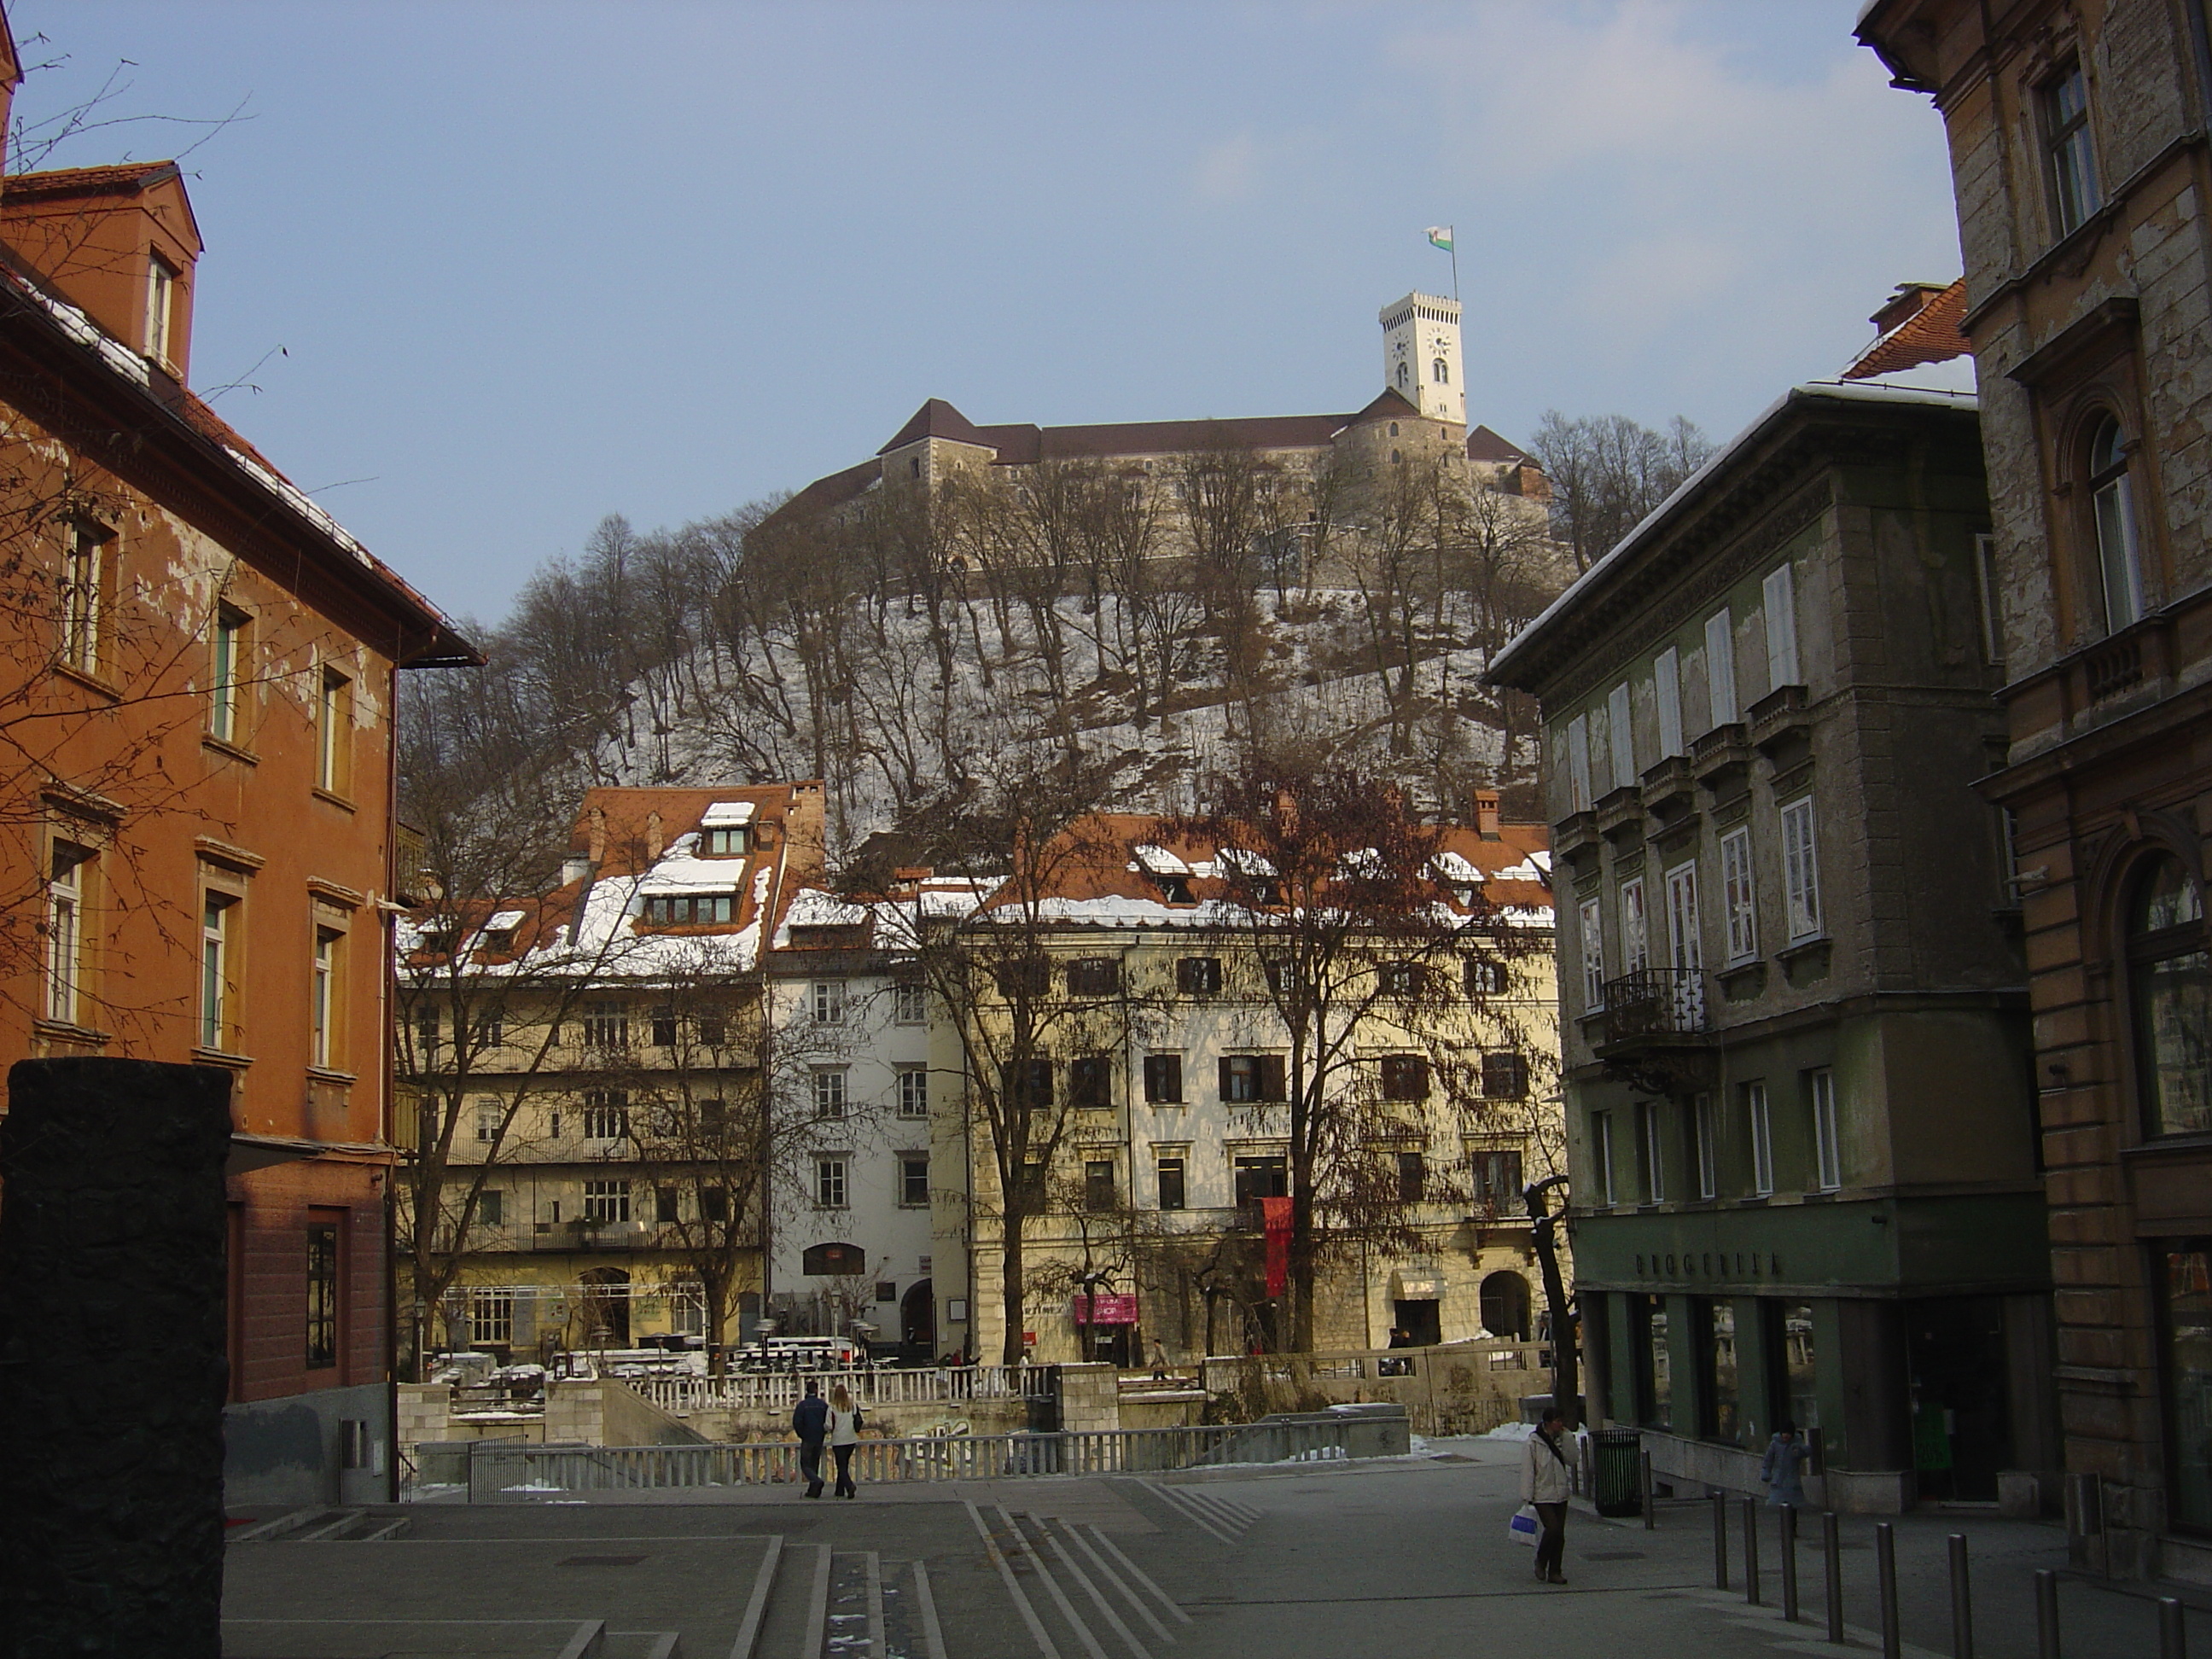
(2170, 979)
(1724, 1400)
(1653, 1360)
(2186, 1360)
(491, 1315)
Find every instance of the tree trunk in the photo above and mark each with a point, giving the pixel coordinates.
(1011, 1289)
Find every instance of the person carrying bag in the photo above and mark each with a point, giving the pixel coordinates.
(1546, 1480)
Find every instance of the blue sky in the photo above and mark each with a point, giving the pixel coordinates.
(530, 264)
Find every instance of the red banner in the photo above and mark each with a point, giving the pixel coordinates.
(1276, 1212)
(1105, 1309)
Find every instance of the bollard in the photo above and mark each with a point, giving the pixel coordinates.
(1832, 1552)
(1962, 1602)
(1751, 1551)
(2046, 1614)
(1790, 1562)
(2173, 1641)
(1650, 1520)
(1885, 1546)
(1720, 1540)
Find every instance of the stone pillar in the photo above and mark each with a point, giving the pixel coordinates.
(113, 1362)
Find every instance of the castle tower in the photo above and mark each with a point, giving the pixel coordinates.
(1420, 355)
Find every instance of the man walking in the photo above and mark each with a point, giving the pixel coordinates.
(1545, 1483)
(810, 1421)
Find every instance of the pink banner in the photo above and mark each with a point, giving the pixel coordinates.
(1105, 1309)
(1276, 1211)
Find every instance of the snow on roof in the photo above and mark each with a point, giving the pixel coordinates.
(727, 815)
(678, 872)
(503, 919)
(1245, 862)
(1159, 861)
(1456, 871)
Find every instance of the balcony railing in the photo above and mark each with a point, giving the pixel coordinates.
(1656, 1002)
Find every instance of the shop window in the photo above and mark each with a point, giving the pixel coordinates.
(2170, 983)
(1716, 1331)
(2186, 1360)
(1655, 1388)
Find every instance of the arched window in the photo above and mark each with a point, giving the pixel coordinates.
(2170, 980)
(1393, 428)
(1405, 377)
(1440, 371)
(2112, 504)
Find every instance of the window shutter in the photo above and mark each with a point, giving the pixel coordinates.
(1228, 1080)
(1720, 666)
(1272, 1083)
(1667, 689)
(1578, 766)
(1781, 594)
(1620, 737)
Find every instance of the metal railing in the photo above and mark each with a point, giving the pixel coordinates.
(1655, 1002)
(781, 1390)
(514, 1471)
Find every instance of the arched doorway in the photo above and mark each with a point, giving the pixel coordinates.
(1505, 1306)
(603, 1311)
(918, 1320)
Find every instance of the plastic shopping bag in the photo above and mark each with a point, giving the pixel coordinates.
(1523, 1527)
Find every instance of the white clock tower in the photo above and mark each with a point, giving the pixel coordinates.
(1420, 355)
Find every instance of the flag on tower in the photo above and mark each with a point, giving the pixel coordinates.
(1441, 236)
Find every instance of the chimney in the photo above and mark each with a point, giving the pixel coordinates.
(805, 825)
(1908, 302)
(1485, 814)
(598, 843)
(653, 839)
(573, 869)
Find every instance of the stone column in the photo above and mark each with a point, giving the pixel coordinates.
(112, 1363)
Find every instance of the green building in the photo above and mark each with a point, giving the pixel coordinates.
(1800, 1115)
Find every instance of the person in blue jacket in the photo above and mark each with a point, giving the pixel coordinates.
(1781, 1468)
(810, 1421)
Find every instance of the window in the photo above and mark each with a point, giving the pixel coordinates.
(1635, 932)
(606, 1025)
(322, 1294)
(1620, 737)
(2184, 1336)
(1091, 1080)
(1401, 979)
(1199, 976)
(1578, 764)
(1405, 1077)
(1779, 592)
(2170, 984)
(326, 997)
(1655, 1360)
(160, 307)
(1262, 1174)
(1601, 1156)
(218, 971)
(1028, 1084)
(1827, 1146)
(712, 1029)
(85, 568)
(1717, 1328)
(1485, 978)
(722, 844)
(1505, 1075)
(491, 1315)
(491, 1208)
(2112, 506)
(1762, 1140)
(427, 1024)
(1666, 693)
(1706, 1148)
(1801, 876)
(913, 1181)
(664, 1027)
(913, 1091)
(1683, 939)
(334, 733)
(1738, 897)
(226, 705)
(1099, 1185)
(490, 1115)
(1247, 1077)
(606, 1200)
(1170, 1173)
(830, 1183)
(1094, 976)
(1164, 1079)
(667, 1207)
(65, 931)
(1720, 668)
(714, 1204)
(607, 1114)
(828, 1085)
(1589, 936)
(1413, 1177)
(1405, 377)
(827, 1001)
(1440, 371)
(491, 1031)
(1026, 976)
(1495, 1177)
(910, 1004)
(2068, 155)
(1652, 1118)
(690, 909)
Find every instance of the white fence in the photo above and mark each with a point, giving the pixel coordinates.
(781, 1390)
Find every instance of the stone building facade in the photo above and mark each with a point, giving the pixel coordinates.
(2077, 134)
(1798, 1109)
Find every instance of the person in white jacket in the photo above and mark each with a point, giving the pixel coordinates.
(844, 1432)
(1546, 1477)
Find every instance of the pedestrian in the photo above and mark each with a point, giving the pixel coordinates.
(810, 1421)
(844, 1435)
(1781, 1468)
(1159, 1361)
(1545, 1483)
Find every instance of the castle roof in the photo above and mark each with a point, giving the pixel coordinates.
(937, 419)
(1391, 406)
(1484, 445)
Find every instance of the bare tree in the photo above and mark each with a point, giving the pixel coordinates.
(1607, 473)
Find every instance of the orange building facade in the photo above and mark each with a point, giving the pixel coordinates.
(196, 807)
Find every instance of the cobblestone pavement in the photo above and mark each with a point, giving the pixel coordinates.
(1399, 1557)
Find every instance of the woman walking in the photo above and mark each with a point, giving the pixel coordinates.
(1544, 1483)
(844, 1435)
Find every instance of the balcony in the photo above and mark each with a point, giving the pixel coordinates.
(1780, 725)
(1721, 757)
(1575, 837)
(1620, 815)
(1658, 1033)
(1670, 790)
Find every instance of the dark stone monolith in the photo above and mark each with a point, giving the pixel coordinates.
(112, 1358)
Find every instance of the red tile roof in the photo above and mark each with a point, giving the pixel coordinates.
(127, 179)
(1930, 335)
(1484, 445)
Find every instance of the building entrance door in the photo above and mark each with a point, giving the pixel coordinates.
(918, 1320)
(1422, 1321)
(1961, 1424)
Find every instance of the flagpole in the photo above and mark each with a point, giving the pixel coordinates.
(1455, 256)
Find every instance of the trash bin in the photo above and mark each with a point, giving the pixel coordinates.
(1618, 1482)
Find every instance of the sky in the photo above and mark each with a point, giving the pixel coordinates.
(481, 272)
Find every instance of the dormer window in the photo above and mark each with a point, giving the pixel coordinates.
(1174, 889)
(723, 843)
(161, 302)
(692, 909)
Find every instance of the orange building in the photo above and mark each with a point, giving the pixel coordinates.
(198, 668)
